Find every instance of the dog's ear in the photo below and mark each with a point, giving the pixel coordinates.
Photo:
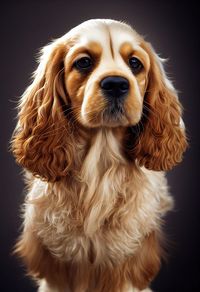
(40, 141)
(162, 139)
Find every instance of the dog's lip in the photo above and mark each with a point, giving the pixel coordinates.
(119, 118)
(115, 116)
(115, 104)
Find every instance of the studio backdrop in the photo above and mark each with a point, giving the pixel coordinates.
(172, 28)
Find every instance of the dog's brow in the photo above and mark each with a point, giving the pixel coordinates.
(127, 50)
(95, 47)
(92, 48)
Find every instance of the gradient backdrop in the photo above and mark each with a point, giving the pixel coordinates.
(172, 29)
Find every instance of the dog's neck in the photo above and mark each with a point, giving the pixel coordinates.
(102, 175)
(104, 153)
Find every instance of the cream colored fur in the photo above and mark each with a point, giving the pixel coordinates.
(92, 203)
(104, 179)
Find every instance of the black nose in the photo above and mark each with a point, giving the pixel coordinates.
(115, 87)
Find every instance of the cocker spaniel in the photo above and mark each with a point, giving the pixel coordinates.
(97, 127)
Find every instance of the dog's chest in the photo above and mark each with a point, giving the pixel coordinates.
(101, 218)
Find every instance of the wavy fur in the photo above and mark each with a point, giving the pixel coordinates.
(96, 191)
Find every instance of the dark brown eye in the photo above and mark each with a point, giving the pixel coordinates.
(135, 64)
(83, 64)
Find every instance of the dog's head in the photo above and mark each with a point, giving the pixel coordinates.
(100, 74)
(107, 75)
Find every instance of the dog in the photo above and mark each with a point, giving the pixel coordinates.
(97, 129)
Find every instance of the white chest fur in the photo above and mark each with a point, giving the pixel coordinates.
(105, 212)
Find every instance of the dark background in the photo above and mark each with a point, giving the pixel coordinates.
(172, 29)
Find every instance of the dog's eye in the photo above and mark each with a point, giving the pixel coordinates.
(84, 63)
(135, 64)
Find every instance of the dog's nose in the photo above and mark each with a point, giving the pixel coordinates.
(115, 86)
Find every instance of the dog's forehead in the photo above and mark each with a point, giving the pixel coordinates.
(114, 34)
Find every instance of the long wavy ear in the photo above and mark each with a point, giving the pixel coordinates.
(40, 138)
(162, 140)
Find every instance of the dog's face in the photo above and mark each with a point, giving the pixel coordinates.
(101, 74)
(106, 76)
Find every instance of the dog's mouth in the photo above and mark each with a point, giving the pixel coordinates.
(114, 115)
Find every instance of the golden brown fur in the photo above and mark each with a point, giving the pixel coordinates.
(97, 193)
